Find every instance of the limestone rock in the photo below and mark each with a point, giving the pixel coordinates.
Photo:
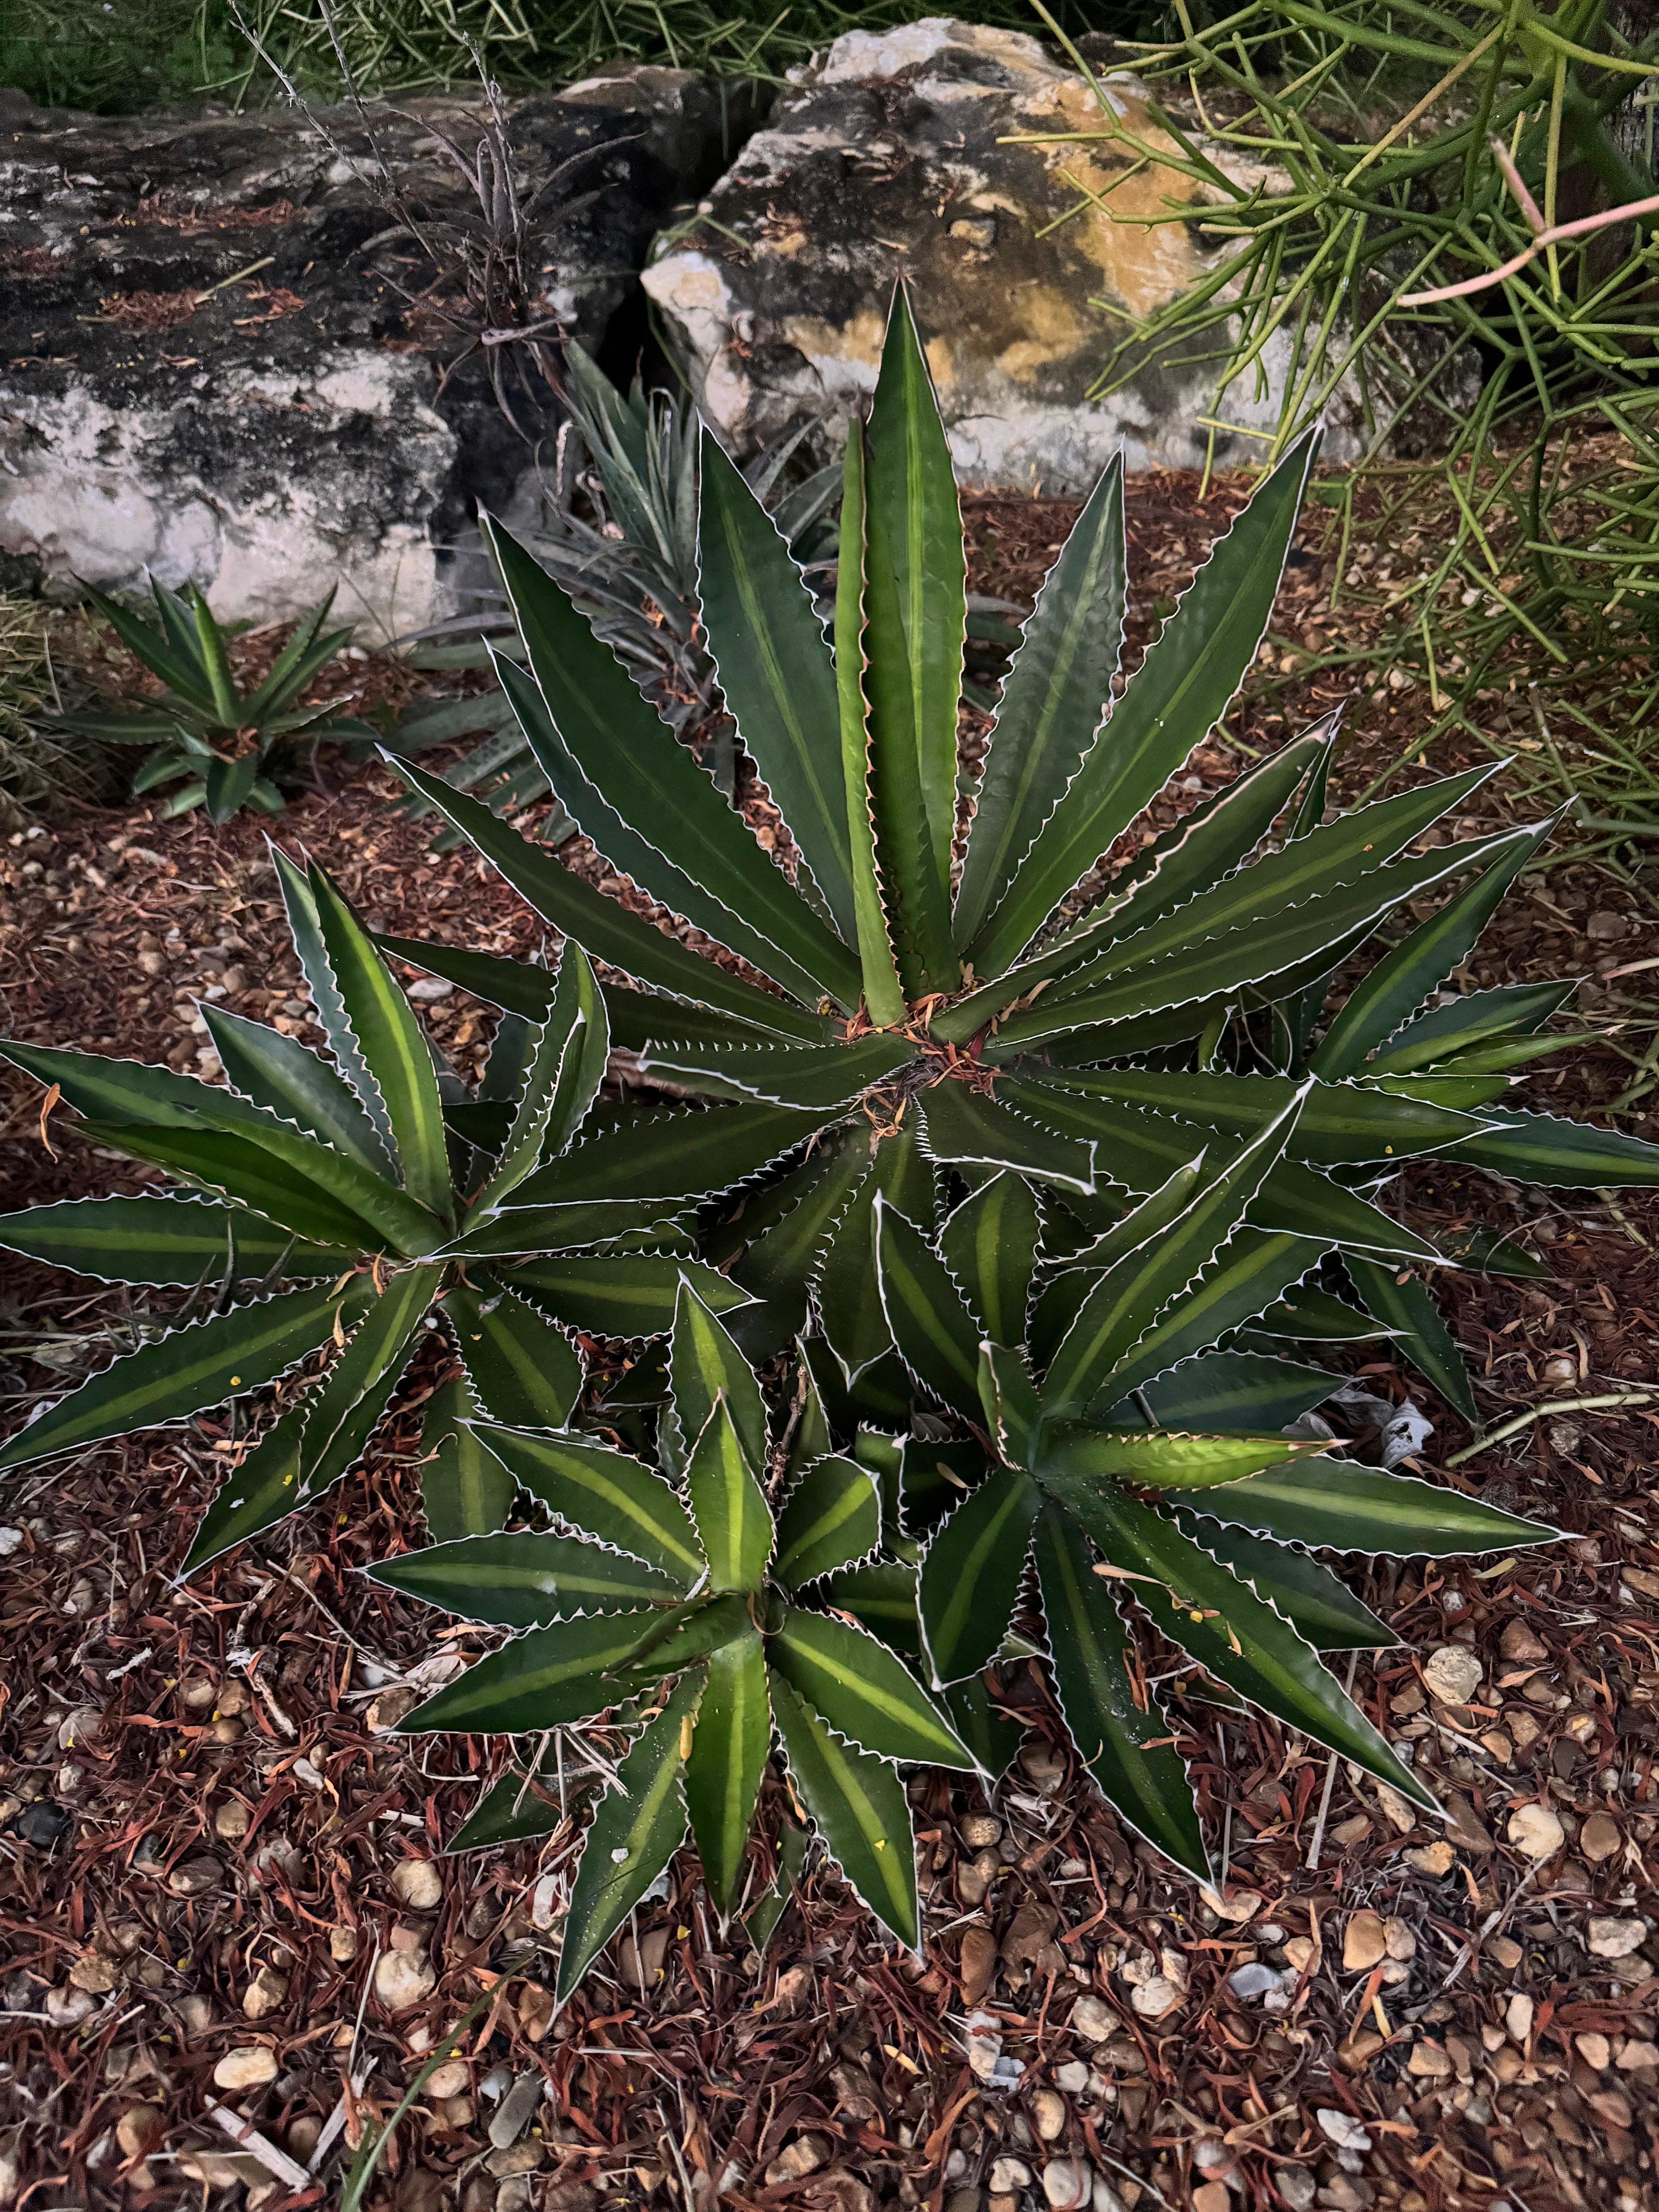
(248, 2069)
(1452, 1673)
(1535, 1832)
(887, 154)
(209, 370)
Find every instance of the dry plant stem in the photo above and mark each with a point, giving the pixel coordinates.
(1513, 1428)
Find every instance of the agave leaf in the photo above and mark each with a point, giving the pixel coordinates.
(1233, 1634)
(623, 1295)
(172, 656)
(760, 1921)
(636, 1829)
(1478, 1017)
(857, 1807)
(656, 785)
(254, 1495)
(307, 1188)
(392, 1044)
(342, 1413)
(617, 837)
(987, 1729)
(990, 1246)
(229, 786)
(670, 1154)
(832, 1518)
(734, 1526)
(724, 1772)
(1562, 1155)
(1311, 1598)
(543, 1678)
(1180, 691)
(465, 1489)
(1203, 846)
(186, 1371)
(519, 1579)
(1054, 698)
(971, 1575)
(1399, 984)
(605, 929)
(1305, 1203)
(847, 1297)
(1124, 1742)
(934, 1331)
(524, 1372)
(511, 1811)
(1253, 1270)
(518, 987)
(1131, 1295)
(779, 678)
(882, 1597)
(565, 1226)
(1400, 1302)
(566, 1068)
(1347, 852)
(164, 1239)
(1313, 1316)
(915, 595)
(966, 1128)
(1333, 1506)
(1012, 1410)
(1236, 1390)
(304, 927)
(1340, 1124)
(287, 1078)
(777, 1264)
(1164, 1459)
(1264, 951)
(117, 1090)
(819, 1077)
(883, 1000)
(810, 1438)
(861, 1690)
(705, 1366)
(604, 1494)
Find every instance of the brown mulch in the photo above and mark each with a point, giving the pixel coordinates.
(211, 1845)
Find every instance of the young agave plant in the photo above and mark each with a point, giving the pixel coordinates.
(222, 748)
(689, 1607)
(1206, 1529)
(348, 1208)
(909, 1014)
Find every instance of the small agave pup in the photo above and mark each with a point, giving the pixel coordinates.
(346, 1207)
(996, 1007)
(1207, 1531)
(643, 1582)
(219, 748)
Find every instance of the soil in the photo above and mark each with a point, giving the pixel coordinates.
(226, 1924)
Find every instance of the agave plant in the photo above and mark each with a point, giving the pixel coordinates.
(902, 1002)
(348, 1208)
(647, 1582)
(1134, 1471)
(222, 748)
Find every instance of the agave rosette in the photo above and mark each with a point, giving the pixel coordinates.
(684, 1608)
(1094, 1446)
(346, 1205)
(903, 1010)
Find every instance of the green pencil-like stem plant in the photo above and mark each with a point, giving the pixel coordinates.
(218, 746)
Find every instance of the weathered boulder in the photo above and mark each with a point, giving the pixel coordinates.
(210, 365)
(890, 154)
